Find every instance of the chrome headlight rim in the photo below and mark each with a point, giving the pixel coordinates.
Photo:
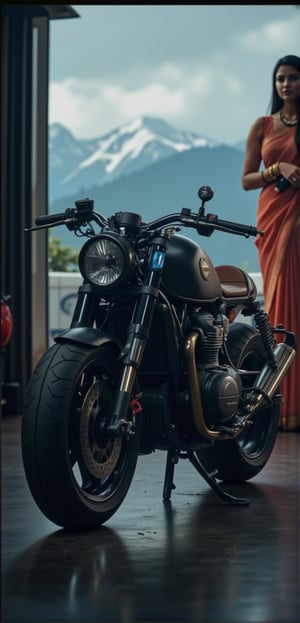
(123, 266)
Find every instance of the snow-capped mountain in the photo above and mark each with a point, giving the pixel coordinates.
(149, 167)
(171, 184)
(76, 164)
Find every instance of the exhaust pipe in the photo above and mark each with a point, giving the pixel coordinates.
(269, 379)
(266, 385)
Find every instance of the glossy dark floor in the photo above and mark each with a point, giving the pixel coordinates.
(195, 558)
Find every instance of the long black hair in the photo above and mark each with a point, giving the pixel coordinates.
(276, 101)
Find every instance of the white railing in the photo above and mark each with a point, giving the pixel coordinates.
(62, 297)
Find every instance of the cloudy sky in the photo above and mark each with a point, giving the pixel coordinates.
(204, 68)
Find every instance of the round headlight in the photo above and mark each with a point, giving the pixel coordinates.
(106, 260)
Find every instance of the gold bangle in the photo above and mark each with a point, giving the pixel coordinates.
(268, 175)
(275, 169)
(271, 174)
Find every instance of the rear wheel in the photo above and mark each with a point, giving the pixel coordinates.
(77, 475)
(243, 457)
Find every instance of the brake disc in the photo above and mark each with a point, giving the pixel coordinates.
(100, 458)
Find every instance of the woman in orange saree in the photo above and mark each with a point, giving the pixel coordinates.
(274, 140)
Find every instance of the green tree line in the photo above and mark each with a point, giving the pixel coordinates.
(61, 258)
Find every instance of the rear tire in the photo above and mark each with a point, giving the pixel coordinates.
(243, 457)
(77, 475)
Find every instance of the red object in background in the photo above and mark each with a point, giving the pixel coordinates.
(6, 323)
(11, 400)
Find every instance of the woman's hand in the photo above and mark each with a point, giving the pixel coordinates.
(291, 173)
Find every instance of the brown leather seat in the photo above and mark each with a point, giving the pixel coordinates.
(235, 282)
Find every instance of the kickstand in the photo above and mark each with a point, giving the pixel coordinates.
(210, 479)
(172, 458)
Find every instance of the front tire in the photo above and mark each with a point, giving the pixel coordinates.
(243, 457)
(77, 475)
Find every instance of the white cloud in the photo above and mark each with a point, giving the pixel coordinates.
(272, 37)
(91, 108)
(154, 99)
(177, 93)
(215, 85)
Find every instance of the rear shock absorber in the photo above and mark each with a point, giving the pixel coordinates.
(262, 323)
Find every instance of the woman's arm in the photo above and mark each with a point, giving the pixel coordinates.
(251, 176)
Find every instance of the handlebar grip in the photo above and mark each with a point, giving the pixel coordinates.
(239, 228)
(48, 219)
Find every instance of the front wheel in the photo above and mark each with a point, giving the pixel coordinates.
(78, 476)
(243, 457)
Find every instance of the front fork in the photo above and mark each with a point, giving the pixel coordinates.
(137, 335)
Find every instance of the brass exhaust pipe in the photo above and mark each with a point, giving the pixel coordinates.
(269, 379)
(199, 421)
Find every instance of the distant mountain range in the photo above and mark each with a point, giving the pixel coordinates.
(76, 163)
(149, 167)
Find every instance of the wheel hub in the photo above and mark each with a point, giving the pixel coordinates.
(100, 453)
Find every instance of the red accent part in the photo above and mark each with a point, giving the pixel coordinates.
(135, 406)
(6, 324)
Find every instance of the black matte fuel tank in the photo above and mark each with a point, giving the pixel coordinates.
(189, 273)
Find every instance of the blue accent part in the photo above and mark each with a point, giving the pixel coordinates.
(158, 260)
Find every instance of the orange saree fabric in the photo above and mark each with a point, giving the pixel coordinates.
(278, 215)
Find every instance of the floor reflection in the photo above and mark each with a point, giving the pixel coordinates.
(217, 563)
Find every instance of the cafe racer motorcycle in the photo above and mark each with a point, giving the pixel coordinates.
(154, 359)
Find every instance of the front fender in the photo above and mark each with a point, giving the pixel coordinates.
(86, 335)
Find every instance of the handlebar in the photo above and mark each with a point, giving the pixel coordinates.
(73, 218)
(205, 224)
(50, 219)
(238, 228)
